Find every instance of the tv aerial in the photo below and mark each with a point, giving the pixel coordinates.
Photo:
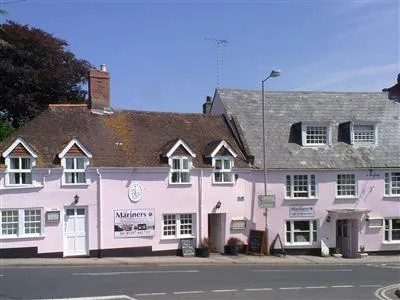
(219, 43)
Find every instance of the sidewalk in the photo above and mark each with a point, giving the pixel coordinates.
(214, 259)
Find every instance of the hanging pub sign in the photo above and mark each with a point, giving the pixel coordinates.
(133, 223)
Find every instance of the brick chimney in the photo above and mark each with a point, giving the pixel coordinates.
(207, 105)
(99, 88)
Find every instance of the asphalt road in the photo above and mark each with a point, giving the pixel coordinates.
(197, 282)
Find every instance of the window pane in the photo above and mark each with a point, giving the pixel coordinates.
(185, 177)
(301, 225)
(316, 135)
(185, 163)
(227, 176)
(395, 223)
(70, 212)
(69, 177)
(175, 177)
(169, 225)
(9, 222)
(80, 177)
(26, 178)
(396, 183)
(26, 163)
(80, 163)
(69, 162)
(288, 186)
(218, 164)
(33, 224)
(186, 224)
(80, 211)
(14, 162)
(227, 164)
(176, 164)
(15, 178)
(300, 237)
(218, 177)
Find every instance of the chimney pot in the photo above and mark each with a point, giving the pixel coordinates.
(103, 68)
(207, 105)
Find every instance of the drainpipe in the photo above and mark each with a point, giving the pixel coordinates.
(99, 214)
(200, 206)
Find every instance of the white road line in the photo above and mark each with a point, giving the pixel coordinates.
(224, 291)
(319, 270)
(150, 294)
(116, 297)
(316, 287)
(133, 272)
(381, 292)
(188, 292)
(291, 288)
(370, 285)
(255, 290)
(342, 286)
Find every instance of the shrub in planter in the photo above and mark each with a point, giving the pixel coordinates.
(232, 246)
(204, 248)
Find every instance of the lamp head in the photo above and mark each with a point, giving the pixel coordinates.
(275, 73)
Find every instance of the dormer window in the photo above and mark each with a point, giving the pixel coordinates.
(315, 134)
(75, 170)
(179, 172)
(20, 170)
(75, 160)
(223, 169)
(363, 134)
(20, 159)
(223, 158)
(180, 157)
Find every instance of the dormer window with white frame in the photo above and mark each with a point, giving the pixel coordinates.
(223, 164)
(20, 159)
(180, 169)
(75, 160)
(180, 165)
(316, 134)
(363, 134)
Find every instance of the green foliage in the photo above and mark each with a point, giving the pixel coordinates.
(5, 129)
(38, 69)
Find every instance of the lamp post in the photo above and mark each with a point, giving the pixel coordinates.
(274, 73)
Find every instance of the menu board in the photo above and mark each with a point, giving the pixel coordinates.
(256, 242)
(187, 247)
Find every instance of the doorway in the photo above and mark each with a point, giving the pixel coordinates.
(75, 231)
(216, 232)
(347, 237)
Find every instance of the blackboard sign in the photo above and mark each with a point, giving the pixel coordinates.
(256, 242)
(187, 247)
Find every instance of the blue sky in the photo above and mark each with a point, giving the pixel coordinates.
(162, 55)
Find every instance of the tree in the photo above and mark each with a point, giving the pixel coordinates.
(36, 70)
(5, 129)
(3, 43)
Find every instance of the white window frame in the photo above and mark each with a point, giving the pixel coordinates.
(391, 185)
(11, 172)
(388, 230)
(22, 223)
(346, 185)
(181, 170)
(306, 127)
(291, 231)
(223, 170)
(290, 188)
(361, 130)
(178, 225)
(74, 170)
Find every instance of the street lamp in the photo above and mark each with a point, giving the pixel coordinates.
(274, 73)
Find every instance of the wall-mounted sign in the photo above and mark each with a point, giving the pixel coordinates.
(266, 201)
(133, 223)
(375, 222)
(238, 223)
(135, 192)
(301, 211)
(52, 216)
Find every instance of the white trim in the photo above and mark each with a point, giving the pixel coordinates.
(180, 142)
(365, 144)
(74, 141)
(346, 197)
(223, 170)
(223, 144)
(15, 144)
(21, 223)
(180, 170)
(328, 137)
(75, 170)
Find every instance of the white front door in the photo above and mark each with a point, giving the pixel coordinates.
(75, 231)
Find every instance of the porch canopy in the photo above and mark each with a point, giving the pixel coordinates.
(349, 212)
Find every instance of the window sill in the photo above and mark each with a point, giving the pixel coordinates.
(180, 183)
(169, 238)
(346, 198)
(75, 184)
(391, 197)
(302, 245)
(22, 237)
(223, 183)
(22, 186)
(391, 243)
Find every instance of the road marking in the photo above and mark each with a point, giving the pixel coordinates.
(320, 270)
(316, 287)
(116, 297)
(133, 272)
(342, 286)
(370, 285)
(188, 292)
(224, 291)
(255, 290)
(381, 292)
(150, 294)
(291, 288)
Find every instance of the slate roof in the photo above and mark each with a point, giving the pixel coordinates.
(143, 135)
(283, 109)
